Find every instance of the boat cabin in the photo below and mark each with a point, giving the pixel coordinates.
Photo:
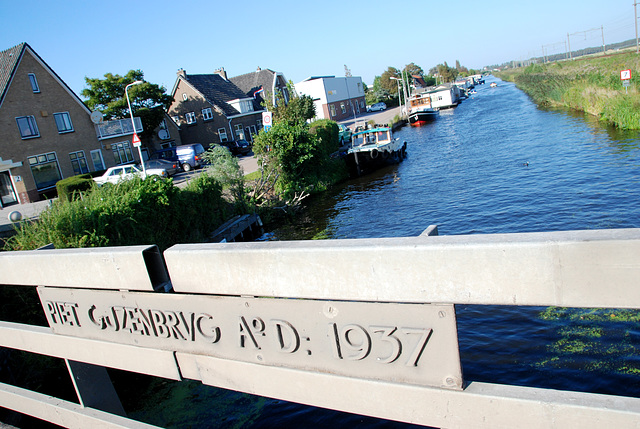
(420, 101)
(376, 136)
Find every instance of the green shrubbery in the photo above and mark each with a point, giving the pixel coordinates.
(133, 212)
(300, 157)
(74, 185)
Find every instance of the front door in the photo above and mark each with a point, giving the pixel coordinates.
(7, 193)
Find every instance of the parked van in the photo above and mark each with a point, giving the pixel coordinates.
(190, 156)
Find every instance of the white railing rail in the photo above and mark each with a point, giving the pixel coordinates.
(375, 333)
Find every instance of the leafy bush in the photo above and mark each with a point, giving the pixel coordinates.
(151, 211)
(74, 185)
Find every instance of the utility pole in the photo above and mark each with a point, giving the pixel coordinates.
(635, 20)
(569, 43)
(604, 49)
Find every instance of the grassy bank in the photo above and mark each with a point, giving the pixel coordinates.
(590, 85)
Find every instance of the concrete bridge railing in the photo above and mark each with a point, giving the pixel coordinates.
(363, 326)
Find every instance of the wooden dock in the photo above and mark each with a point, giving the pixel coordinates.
(240, 228)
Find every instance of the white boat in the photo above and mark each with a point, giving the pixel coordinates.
(373, 148)
(493, 85)
(420, 109)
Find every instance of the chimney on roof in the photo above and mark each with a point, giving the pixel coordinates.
(220, 72)
(182, 73)
(259, 69)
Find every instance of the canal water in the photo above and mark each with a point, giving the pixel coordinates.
(495, 164)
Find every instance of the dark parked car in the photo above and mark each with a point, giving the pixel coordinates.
(240, 147)
(190, 156)
(170, 167)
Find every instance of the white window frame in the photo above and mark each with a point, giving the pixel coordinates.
(79, 162)
(65, 118)
(185, 97)
(239, 131)
(190, 117)
(332, 110)
(34, 83)
(207, 114)
(176, 119)
(222, 133)
(32, 125)
(343, 108)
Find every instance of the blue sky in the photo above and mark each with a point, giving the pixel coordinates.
(301, 38)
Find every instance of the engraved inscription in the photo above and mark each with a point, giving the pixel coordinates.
(410, 343)
(353, 342)
(157, 323)
(64, 313)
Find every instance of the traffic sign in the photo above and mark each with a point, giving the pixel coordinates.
(136, 140)
(266, 121)
(625, 74)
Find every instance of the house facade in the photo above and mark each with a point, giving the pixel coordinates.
(335, 98)
(211, 109)
(46, 132)
(261, 85)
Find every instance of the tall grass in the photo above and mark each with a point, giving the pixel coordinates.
(590, 85)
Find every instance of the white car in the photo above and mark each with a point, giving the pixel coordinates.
(377, 107)
(126, 172)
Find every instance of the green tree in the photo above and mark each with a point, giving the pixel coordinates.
(299, 108)
(149, 101)
(447, 73)
(389, 85)
(379, 92)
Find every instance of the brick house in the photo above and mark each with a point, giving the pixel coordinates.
(212, 109)
(335, 98)
(262, 83)
(46, 132)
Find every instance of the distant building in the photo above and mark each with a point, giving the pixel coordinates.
(212, 109)
(335, 98)
(46, 132)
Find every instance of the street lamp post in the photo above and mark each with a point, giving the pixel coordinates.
(126, 93)
(399, 94)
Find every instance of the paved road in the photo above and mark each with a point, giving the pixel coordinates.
(384, 117)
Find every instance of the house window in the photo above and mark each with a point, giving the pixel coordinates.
(190, 117)
(247, 106)
(259, 123)
(27, 126)
(34, 83)
(45, 170)
(122, 152)
(63, 122)
(343, 108)
(222, 132)
(207, 115)
(176, 119)
(253, 129)
(96, 158)
(184, 96)
(332, 108)
(239, 132)
(79, 162)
